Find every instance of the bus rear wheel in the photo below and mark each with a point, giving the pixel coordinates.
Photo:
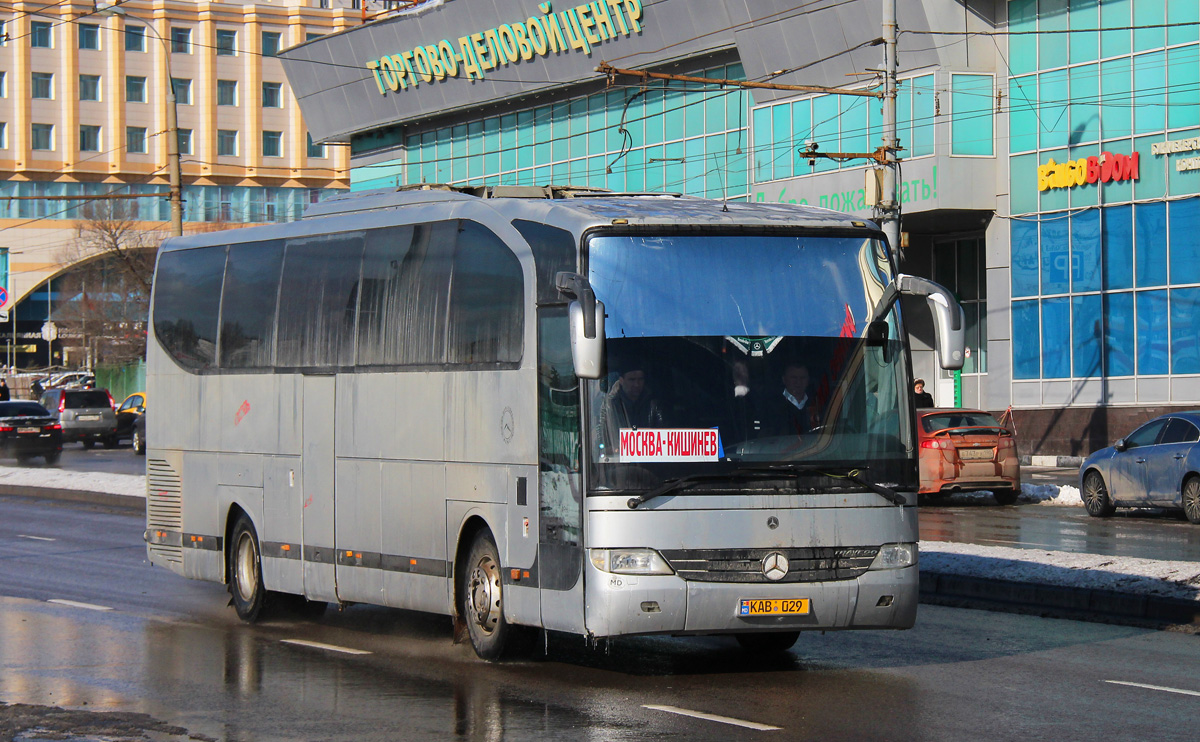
(481, 596)
(245, 571)
(776, 642)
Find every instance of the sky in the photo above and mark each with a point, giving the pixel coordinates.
(1041, 566)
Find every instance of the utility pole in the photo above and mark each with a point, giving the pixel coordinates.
(889, 205)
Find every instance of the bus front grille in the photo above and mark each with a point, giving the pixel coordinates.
(820, 564)
(164, 505)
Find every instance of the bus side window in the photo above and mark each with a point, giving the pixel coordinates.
(554, 250)
(248, 311)
(187, 300)
(487, 305)
(320, 280)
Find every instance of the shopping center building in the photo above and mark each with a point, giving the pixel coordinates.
(1050, 168)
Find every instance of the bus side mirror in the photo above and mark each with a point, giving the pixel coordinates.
(949, 322)
(587, 324)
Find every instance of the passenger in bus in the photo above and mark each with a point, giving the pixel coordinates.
(794, 413)
(628, 404)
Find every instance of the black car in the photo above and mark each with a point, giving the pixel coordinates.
(28, 430)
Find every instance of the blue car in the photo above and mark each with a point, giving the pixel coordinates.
(1157, 465)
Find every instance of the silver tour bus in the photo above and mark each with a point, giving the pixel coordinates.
(543, 408)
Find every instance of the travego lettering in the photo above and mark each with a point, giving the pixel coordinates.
(582, 27)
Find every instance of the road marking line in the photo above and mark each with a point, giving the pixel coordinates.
(36, 538)
(1181, 691)
(712, 717)
(319, 645)
(76, 604)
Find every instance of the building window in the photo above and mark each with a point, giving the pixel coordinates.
(89, 36)
(310, 36)
(3, 135)
(315, 150)
(135, 39)
(135, 140)
(270, 43)
(39, 34)
(226, 92)
(971, 105)
(89, 87)
(135, 89)
(272, 95)
(43, 85)
(3, 33)
(355, 4)
(185, 141)
(272, 144)
(3, 84)
(181, 40)
(183, 90)
(323, 4)
(43, 136)
(89, 138)
(227, 142)
(226, 42)
(959, 266)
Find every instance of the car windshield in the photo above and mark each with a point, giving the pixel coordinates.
(726, 352)
(86, 400)
(22, 409)
(943, 421)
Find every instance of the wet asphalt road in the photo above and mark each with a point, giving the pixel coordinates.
(171, 649)
(119, 460)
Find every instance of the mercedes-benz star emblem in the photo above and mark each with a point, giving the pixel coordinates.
(772, 522)
(775, 566)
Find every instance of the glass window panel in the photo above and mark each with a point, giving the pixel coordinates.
(1183, 74)
(1085, 108)
(89, 36)
(1150, 243)
(1087, 194)
(1023, 123)
(1052, 49)
(486, 300)
(248, 308)
(825, 128)
(1186, 182)
(1185, 331)
(1119, 333)
(673, 112)
(1056, 338)
(135, 39)
(1085, 43)
(801, 130)
(187, 301)
(1023, 193)
(971, 108)
(1024, 257)
(1184, 238)
(854, 123)
(1055, 258)
(653, 121)
(1053, 96)
(1085, 251)
(781, 130)
(270, 43)
(1150, 100)
(944, 261)
(971, 337)
(1117, 15)
(693, 113)
(764, 169)
(1116, 91)
(1185, 13)
(1022, 46)
(89, 87)
(1087, 330)
(1116, 235)
(1117, 191)
(1026, 336)
(1053, 199)
(1149, 13)
(922, 116)
(318, 300)
(40, 34)
(181, 40)
(226, 42)
(1152, 346)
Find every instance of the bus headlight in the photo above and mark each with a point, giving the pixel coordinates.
(630, 561)
(895, 556)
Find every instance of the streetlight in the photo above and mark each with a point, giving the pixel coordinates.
(176, 193)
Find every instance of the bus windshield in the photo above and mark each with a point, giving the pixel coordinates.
(741, 351)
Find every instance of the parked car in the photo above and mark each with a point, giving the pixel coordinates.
(86, 415)
(28, 430)
(71, 379)
(139, 435)
(1157, 465)
(965, 450)
(130, 410)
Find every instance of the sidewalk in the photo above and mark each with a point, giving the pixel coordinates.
(1051, 583)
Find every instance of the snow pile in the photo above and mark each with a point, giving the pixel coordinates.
(1038, 494)
(133, 485)
(1062, 568)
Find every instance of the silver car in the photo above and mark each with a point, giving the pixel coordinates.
(86, 415)
(1157, 465)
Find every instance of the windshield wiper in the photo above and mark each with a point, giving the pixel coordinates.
(767, 472)
(834, 472)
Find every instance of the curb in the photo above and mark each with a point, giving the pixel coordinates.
(1077, 603)
(88, 496)
(1058, 461)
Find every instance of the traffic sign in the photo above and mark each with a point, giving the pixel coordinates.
(3, 296)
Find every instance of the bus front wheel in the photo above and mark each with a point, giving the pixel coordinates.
(481, 600)
(245, 571)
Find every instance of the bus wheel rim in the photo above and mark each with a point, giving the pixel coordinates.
(245, 568)
(484, 593)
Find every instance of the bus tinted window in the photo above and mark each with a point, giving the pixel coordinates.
(486, 307)
(248, 311)
(378, 339)
(318, 300)
(187, 297)
(553, 251)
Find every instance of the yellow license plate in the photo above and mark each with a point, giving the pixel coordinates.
(773, 607)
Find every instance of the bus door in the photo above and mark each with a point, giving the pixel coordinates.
(317, 464)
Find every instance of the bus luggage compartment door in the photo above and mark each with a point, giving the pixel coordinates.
(317, 464)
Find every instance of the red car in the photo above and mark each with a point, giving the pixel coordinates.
(965, 450)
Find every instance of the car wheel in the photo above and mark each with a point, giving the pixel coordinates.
(139, 446)
(88, 443)
(775, 642)
(1095, 496)
(245, 572)
(24, 459)
(1005, 496)
(53, 457)
(481, 596)
(1191, 499)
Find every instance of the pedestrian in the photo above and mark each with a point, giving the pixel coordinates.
(5, 395)
(36, 389)
(921, 397)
